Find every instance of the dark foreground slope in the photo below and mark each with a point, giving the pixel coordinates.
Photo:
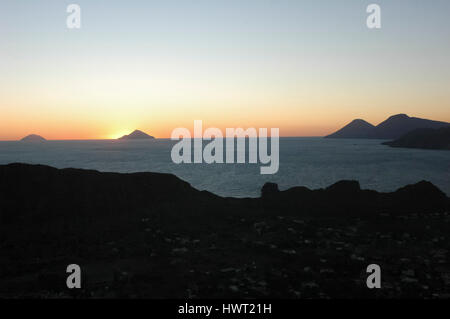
(438, 139)
(153, 235)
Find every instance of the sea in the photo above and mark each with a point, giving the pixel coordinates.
(313, 162)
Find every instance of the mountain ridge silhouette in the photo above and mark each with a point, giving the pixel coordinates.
(392, 128)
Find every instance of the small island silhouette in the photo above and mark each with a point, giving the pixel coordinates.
(33, 138)
(136, 135)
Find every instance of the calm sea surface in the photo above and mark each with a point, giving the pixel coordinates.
(311, 162)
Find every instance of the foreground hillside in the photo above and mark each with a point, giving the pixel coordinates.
(153, 235)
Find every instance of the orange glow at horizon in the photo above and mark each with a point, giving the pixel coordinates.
(233, 65)
(78, 129)
(96, 116)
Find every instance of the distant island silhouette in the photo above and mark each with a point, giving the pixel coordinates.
(425, 138)
(136, 135)
(392, 128)
(33, 138)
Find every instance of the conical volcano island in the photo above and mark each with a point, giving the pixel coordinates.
(355, 129)
(33, 138)
(392, 128)
(136, 135)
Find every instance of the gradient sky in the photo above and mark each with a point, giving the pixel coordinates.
(307, 67)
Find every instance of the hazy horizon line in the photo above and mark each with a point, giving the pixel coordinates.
(119, 139)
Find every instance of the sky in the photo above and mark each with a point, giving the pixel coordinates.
(305, 67)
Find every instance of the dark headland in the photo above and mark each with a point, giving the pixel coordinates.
(136, 135)
(33, 138)
(153, 235)
(392, 128)
(425, 138)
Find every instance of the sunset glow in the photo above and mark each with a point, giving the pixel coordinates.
(155, 67)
